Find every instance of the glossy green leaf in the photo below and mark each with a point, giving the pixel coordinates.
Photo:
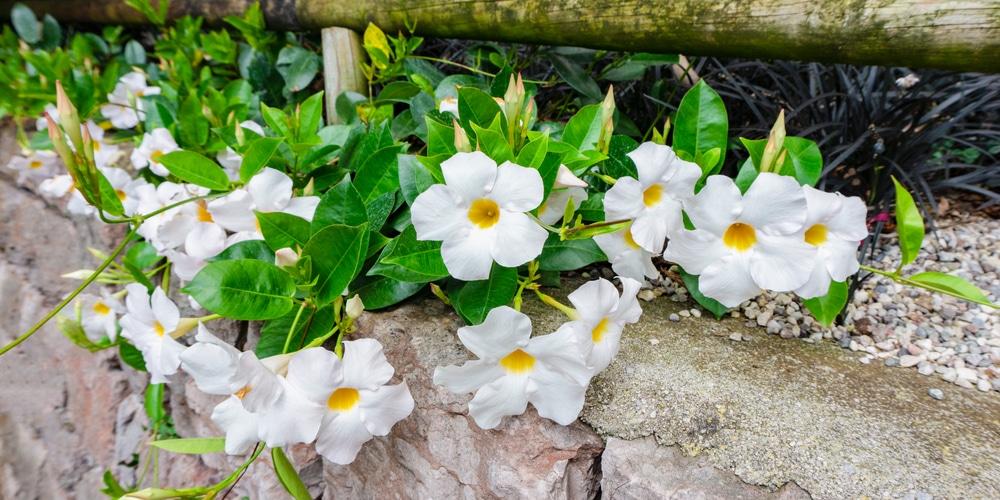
(276, 119)
(298, 66)
(951, 285)
(191, 446)
(909, 224)
(493, 144)
(275, 332)
(132, 356)
(243, 289)
(714, 306)
(283, 230)
(378, 174)
(110, 201)
(25, 23)
(533, 153)
(135, 54)
(142, 255)
(289, 478)
(337, 254)
(192, 167)
(569, 255)
(193, 131)
(409, 259)
(310, 116)
(440, 137)
(379, 210)
(826, 308)
(619, 164)
(414, 178)
(805, 158)
(399, 91)
(154, 403)
(381, 291)
(249, 249)
(584, 129)
(340, 205)
(476, 106)
(702, 124)
(257, 155)
(745, 177)
(475, 299)
(576, 76)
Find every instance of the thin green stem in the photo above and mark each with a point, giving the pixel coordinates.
(73, 295)
(291, 331)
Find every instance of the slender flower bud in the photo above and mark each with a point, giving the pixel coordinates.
(60, 144)
(775, 143)
(565, 178)
(241, 137)
(69, 117)
(462, 144)
(607, 121)
(88, 145)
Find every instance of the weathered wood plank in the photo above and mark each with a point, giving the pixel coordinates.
(961, 35)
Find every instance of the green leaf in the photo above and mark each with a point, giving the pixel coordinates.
(409, 259)
(440, 137)
(380, 209)
(243, 289)
(192, 167)
(250, 249)
(142, 255)
(194, 126)
(381, 291)
(191, 446)
(399, 91)
(25, 23)
(414, 178)
(826, 308)
(154, 403)
(51, 34)
(569, 254)
(714, 306)
(257, 156)
(951, 285)
(275, 332)
(310, 116)
(288, 476)
(619, 164)
(377, 46)
(298, 67)
(74, 332)
(747, 174)
(702, 125)
(276, 119)
(533, 153)
(576, 76)
(805, 158)
(379, 174)
(909, 224)
(340, 205)
(283, 230)
(475, 299)
(132, 356)
(110, 201)
(476, 106)
(493, 144)
(337, 254)
(584, 128)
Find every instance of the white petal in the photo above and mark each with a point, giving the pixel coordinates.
(239, 425)
(234, 211)
(840, 258)
(517, 188)
(316, 373)
(560, 352)
(518, 239)
(302, 206)
(728, 280)
(651, 161)
(781, 263)
(556, 397)
(165, 310)
(270, 189)
(774, 204)
(341, 437)
(382, 408)
(817, 285)
(502, 332)
(262, 388)
(438, 212)
(292, 419)
(594, 300)
(469, 377)
(716, 206)
(365, 365)
(503, 397)
(205, 240)
(565, 178)
(850, 223)
(466, 254)
(694, 250)
(624, 200)
(470, 175)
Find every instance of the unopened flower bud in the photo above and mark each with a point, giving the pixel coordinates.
(285, 257)
(565, 178)
(462, 144)
(354, 307)
(69, 117)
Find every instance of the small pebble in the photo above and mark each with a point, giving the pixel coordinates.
(674, 317)
(908, 361)
(736, 336)
(646, 295)
(984, 385)
(936, 394)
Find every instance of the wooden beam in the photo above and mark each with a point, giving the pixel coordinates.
(960, 35)
(343, 53)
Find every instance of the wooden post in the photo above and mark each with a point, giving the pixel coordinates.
(343, 53)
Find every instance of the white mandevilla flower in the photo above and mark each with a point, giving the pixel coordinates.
(835, 225)
(514, 369)
(36, 166)
(479, 215)
(268, 191)
(602, 316)
(655, 199)
(155, 144)
(357, 404)
(627, 258)
(104, 154)
(745, 243)
(99, 315)
(149, 323)
(125, 107)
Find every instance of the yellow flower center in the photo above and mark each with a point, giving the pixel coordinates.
(155, 157)
(97, 146)
(121, 194)
(652, 195)
(35, 165)
(343, 399)
(816, 235)
(740, 237)
(203, 215)
(598, 332)
(101, 309)
(484, 213)
(242, 393)
(629, 240)
(518, 362)
(159, 328)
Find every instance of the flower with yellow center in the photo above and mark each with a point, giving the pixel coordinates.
(125, 108)
(155, 144)
(602, 316)
(479, 215)
(654, 199)
(745, 243)
(835, 226)
(627, 258)
(99, 315)
(514, 369)
(349, 401)
(36, 166)
(149, 323)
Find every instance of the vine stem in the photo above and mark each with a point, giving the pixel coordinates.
(295, 322)
(73, 295)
